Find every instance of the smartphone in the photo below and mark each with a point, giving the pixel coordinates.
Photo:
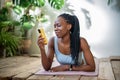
(42, 33)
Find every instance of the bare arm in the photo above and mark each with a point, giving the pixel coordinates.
(90, 64)
(46, 59)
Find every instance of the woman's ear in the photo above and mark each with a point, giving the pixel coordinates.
(69, 26)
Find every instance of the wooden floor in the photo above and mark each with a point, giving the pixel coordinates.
(24, 67)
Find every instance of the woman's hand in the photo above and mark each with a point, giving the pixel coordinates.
(40, 42)
(59, 68)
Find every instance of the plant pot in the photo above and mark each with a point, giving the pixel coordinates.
(26, 46)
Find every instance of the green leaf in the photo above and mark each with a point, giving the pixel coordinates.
(17, 10)
(9, 42)
(57, 4)
(41, 3)
(9, 4)
(27, 25)
(24, 3)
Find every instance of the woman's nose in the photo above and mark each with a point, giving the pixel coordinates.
(55, 28)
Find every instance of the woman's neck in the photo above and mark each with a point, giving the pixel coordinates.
(65, 39)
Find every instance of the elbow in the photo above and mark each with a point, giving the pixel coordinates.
(46, 69)
(92, 68)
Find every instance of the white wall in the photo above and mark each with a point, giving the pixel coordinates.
(103, 35)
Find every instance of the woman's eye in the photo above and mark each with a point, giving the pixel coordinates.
(58, 25)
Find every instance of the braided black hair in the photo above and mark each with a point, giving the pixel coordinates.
(74, 35)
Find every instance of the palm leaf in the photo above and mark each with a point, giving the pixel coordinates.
(57, 4)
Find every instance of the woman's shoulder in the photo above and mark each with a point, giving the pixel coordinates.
(84, 42)
(51, 41)
(52, 38)
(82, 39)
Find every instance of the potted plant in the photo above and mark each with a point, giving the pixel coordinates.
(26, 25)
(28, 21)
(9, 42)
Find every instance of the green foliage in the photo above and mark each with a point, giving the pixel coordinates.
(8, 40)
(3, 14)
(27, 3)
(57, 4)
(17, 9)
(26, 18)
(26, 24)
(27, 21)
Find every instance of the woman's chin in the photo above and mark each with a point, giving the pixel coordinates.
(58, 36)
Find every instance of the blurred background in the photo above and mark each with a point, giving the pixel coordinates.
(99, 24)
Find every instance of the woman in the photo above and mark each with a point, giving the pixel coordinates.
(72, 51)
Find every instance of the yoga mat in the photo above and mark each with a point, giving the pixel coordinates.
(95, 73)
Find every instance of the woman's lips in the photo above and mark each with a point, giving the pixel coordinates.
(57, 33)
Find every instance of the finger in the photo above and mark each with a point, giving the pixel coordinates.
(40, 41)
(40, 36)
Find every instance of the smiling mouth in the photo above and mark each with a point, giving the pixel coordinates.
(57, 31)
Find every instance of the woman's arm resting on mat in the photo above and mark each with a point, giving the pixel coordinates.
(90, 63)
(60, 68)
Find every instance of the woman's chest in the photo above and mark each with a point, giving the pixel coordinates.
(64, 49)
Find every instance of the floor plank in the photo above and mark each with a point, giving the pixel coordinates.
(15, 61)
(14, 69)
(116, 69)
(88, 78)
(24, 67)
(65, 78)
(112, 58)
(26, 74)
(38, 77)
(105, 70)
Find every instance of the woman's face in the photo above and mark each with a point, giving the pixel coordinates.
(61, 27)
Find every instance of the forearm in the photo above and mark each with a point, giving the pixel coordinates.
(83, 68)
(45, 61)
(60, 68)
